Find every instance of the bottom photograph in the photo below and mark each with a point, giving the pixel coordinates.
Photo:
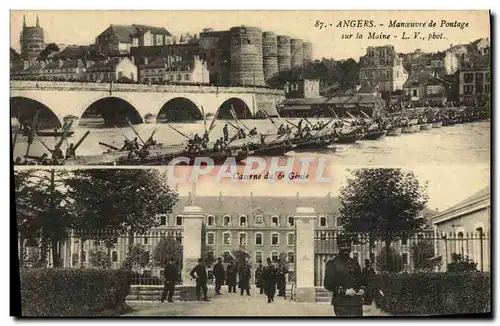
(375, 242)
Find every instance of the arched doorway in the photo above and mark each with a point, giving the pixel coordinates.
(114, 111)
(179, 109)
(23, 109)
(240, 108)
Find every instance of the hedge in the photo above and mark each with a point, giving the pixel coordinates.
(433, 293)
(73, 292)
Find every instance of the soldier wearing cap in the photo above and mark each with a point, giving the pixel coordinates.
(344, 278)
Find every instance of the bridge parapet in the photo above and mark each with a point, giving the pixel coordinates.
(118, 87)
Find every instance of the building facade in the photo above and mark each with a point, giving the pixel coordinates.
(32, 40)
(55, 70)
(383, 67)
(425, 89)
(174, 69)
(465, 229)
(112, 69)
(475, 86)
(304, 88)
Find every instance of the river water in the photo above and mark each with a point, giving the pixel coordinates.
(459, 144)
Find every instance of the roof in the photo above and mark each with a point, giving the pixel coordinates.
(259, 204)
(422, 78)
(305, 101)
(366, 87)
(74, 51)
(355, 99)
(125, 33)
(109, 65)
(478, 200)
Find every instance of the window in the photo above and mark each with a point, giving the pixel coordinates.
(226, 254)
(258, 256)
(210, 238)
(275, 239)
(227, 220)
(335, 220)
(186, 77)
(179, 77)
(211, 220)
(114, 256)
(243, 220)
(405, 258)
(275, 221)
(243, 239)
(322, 221)
(479, 77)
(259, 219)
(259, 241)
(145, 239)
(178, 237)
(84, 256)
(468, 78)
(468, 89)
(226, 238)
(291, 257)
(179, 220)
(163, 220)
(479, 88)
(404, 241)
(291, 221)
(274, 256)
(290, 239)
(414, 92)
(322, 236)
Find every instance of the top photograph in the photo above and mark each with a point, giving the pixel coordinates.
(166, 88)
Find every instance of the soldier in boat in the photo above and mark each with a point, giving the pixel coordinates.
(241, 134)
(70, 151)
(223, 143)
(205, 137)
(281, 129)
(288, 130)
(262, 139)
(135, 143)
(218, 145)
(225, 132)
(253, 132)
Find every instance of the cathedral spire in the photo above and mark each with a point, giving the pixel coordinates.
(37, 22)
(24, 21)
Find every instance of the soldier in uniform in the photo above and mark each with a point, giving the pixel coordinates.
(258, 278)
(269, 277)
(170, 274)
(343, 277)
(199, 272)
(368, 273)
(231, 277)
(244, 274)
(281, 278)
(220, 275)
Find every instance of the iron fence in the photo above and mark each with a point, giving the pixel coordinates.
(425, 252)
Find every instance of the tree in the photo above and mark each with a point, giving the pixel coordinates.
(99, 258)
(385, 204)
(167, 248)
(421, 254)
(124, 201)
(392, 262)
(137, 257)
(461, 263)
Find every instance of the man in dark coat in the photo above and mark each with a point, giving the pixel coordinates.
(368, 273)
(258, 278)
(343, 277)
(231, 277)
(281, 278)
(244, 274)
(170, 274)
(225, 132)
(220, 275)
(199, 272)
(269, 276)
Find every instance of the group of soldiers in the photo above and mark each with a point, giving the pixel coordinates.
(270, 278)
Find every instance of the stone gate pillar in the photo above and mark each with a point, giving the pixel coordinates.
(305, 220)
(192, 221)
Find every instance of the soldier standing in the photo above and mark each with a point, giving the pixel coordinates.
(269, 278)
(225, 132)
(258, 278)
(343, 277)
(219, 274)
(244, 275)
(231, 277)
(368, 273)
(281, 278)
(199, 272)
(170, 274)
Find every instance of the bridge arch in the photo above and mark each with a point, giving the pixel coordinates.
(241, 109)
(24, 109)
(180, 109)
(113, 110)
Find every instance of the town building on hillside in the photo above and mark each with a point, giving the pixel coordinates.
(383, 67)
(112, 69)
(465, 229)
(303, 88)
(424, 88)
(32, 40)
(482, 45)
(451, 63)
(475, 84)
(174, 69)
(118, 39)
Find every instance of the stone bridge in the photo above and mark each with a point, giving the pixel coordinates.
(138, 102)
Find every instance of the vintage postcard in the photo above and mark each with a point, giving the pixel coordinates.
(230, 163)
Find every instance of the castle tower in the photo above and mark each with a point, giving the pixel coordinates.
(32, 42)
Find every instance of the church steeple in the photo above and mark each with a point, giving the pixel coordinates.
(37, 22)
(24, 21)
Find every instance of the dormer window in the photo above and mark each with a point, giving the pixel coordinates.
(243, 220)
(211, 220)
(227, 220)
(275, 221)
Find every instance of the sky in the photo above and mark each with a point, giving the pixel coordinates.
(446, 185)
(81, 27)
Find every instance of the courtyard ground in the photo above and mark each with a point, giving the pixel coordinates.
(233, 304)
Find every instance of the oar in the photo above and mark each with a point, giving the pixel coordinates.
(135, 131)
(43, 143)
(229, 123)
(109, 146)
(269, 117)
(293, 124)
(366, 115)
(81, 140)
(204, 118)
(212, 125)
(305, 118)
(181, 133)
(64, 135)
(235, 117)
(350, 115)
